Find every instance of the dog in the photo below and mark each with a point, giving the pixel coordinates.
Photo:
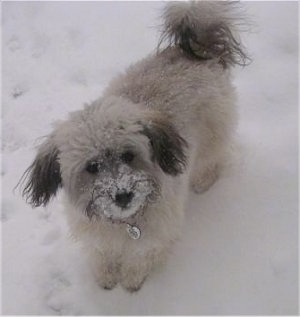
(127, 160)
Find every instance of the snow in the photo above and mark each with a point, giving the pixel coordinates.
(127, 181)
(238, 251)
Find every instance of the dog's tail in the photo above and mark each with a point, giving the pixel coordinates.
(205, 30)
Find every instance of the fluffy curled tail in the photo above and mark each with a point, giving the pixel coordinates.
(205, 30)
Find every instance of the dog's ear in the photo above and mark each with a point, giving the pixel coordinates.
(43, 176)
(168, 147)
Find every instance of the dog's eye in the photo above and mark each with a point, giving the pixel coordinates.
(127, 157)
(92, 167)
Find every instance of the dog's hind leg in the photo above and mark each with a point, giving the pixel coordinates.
(203, 178)
(206, 168)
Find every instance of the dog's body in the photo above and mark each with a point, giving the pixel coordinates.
(126, 161)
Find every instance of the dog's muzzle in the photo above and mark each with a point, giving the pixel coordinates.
(119, 201)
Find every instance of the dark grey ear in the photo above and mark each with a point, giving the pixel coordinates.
(167, 145)
(43, 177)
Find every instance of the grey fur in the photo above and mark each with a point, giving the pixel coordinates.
(175, 112)
(43, 176)
(168, 147)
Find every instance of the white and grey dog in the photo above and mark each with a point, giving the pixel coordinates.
(126, 161)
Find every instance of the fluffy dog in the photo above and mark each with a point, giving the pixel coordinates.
(125, 162)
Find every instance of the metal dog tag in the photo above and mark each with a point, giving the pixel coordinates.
(133, 231)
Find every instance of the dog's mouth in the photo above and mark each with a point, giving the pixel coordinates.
(121, 220)
(117, 204)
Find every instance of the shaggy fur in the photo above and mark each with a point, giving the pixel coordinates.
(129, 157)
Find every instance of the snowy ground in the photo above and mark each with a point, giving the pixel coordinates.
(238, 251)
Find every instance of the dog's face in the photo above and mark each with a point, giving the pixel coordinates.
(114, 177)
(110, 159)
(115, 184)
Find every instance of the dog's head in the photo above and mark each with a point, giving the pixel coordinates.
(110, 158)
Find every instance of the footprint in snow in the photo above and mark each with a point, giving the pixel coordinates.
(19, 90)
(14, 44)
(57, 298)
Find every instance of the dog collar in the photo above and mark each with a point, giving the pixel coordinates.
(134, 232)
(132, 229)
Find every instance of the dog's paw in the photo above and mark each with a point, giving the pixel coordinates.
(107, 285)
(106, 272)
(133, 289)
(133, 279)
(133, 286)
(201, 182)
(107, 279)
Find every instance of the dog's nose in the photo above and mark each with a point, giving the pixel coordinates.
(123, 198)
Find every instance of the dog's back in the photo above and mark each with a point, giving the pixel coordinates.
(188, 78)
(199, 44)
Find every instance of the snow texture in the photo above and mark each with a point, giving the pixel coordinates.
(238, 251)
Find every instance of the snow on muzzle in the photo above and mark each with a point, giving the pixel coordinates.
(122, 197)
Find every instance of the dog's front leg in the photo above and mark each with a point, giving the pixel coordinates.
(134, 272)
(105, 269)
